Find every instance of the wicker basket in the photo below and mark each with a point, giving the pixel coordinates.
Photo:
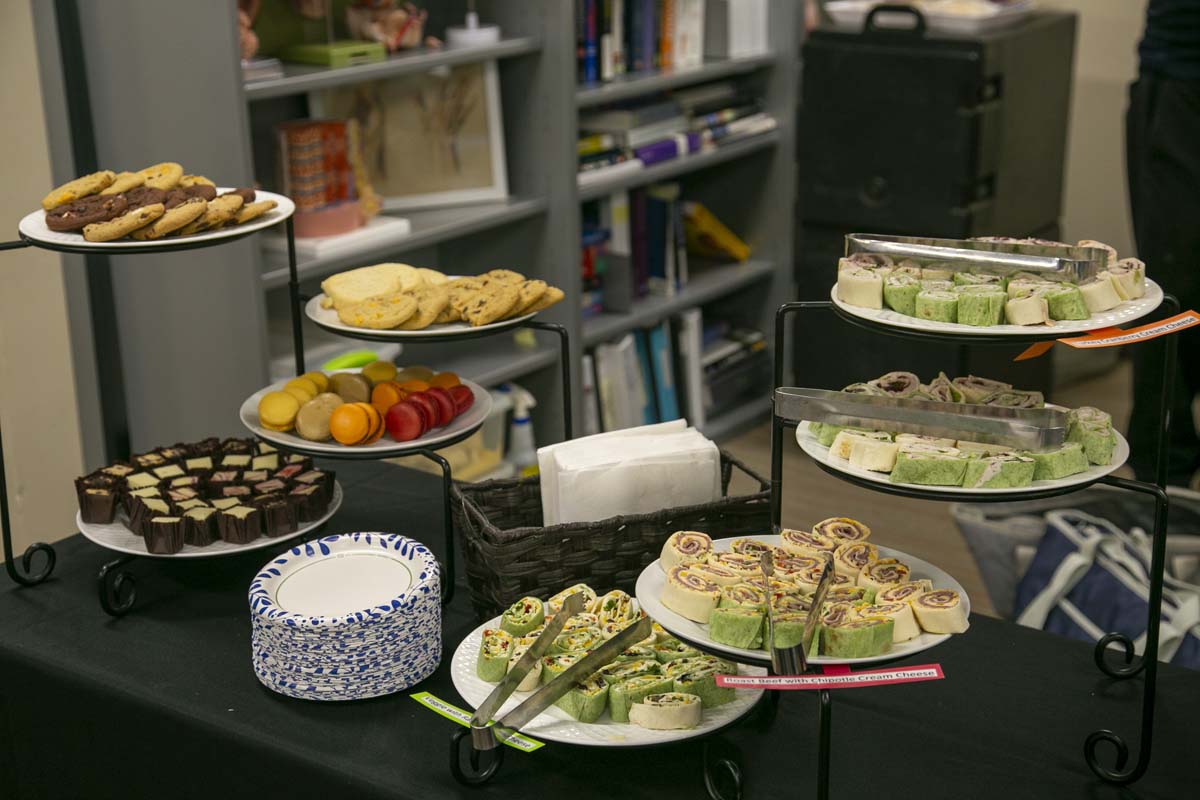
(509, 555)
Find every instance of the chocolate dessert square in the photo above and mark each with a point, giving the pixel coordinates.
(289, 472)
(237, 446)
(219, 480)
(192, 481)
(184, 505)
(298, 458)
(198, 464)
(174, 453)
(207, 448)
(145, 509)
(240, 524)
(98, 506)
(130, 497)
(181, 494)
(200, 526)
(253, 476)
(267, 461)
(279, 518)
(225, 502)
(269, 487)
(163, 535)
(235, 461)
(119, 470)
(149, 460)
(235, 491)
(264, 447)
(96, 480)
(140, 480)
(316, 477)
(310, 502)
(167, 471)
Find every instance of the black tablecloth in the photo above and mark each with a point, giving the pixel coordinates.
(163, 703)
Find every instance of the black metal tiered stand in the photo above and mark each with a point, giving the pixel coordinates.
(116, 585)
(1122, 773)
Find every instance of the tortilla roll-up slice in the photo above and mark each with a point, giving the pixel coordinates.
(611, 629)
(586, 701)
(1014, 398)
(616, 606)
(977, 279)
(718, 574)
(1065, 301)
(682, 665)
(495, 650)
(684, 548)
(621, 671)
(673, 650)
(841, 530)
(1130, 275)
(690, 594)
(701, 680)
(639, 652)
(940, 611)
(858, 638)
(807, 543)
(750, 546)
(523, 616)
(845, 439)
(937, 305)
(929, 466)
(554, 604)
(1097, 438)
(579, 640)
(854, 595)
(851, 557)
(873, 454)
(980, 308)
(777, 586)
(789, 565)
(860, 287)
(1028, 310)
(905, 625)
(903, 592)
(999, 472)
(898, 383)
(622, 696)
(789, 629)
(533, 677)
(1100, 294)
(937, 273)
(743, 564)
(1088, 414)
(669, 711)
(981, 449)
(975, 389)
(584, 619)
(883, 573)
(1061, 462)
(900, 293)
(791, 603)
(742, 595)
(905, 439)
(553, 666)
(736, 626)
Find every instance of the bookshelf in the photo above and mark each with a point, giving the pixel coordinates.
(237, 301)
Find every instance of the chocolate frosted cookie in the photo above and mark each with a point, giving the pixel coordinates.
(75, 215)
(145, 196)
(247, 195)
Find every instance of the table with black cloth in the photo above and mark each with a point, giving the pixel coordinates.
(163, 703)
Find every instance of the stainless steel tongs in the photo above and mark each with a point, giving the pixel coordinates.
(484, 733)
(1019, 428)
(794, 660)
(1055, 262)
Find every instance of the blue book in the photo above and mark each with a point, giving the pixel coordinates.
(591, 42)
(650, 410)
(662, 361)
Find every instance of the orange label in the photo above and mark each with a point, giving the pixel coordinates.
(1116, 337)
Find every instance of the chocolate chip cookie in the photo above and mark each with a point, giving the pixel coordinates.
(75, 215)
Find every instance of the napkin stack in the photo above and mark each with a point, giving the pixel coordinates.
(632, 471)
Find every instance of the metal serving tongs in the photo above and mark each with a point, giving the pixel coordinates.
(1051, 261)
(1019, 428)
(486, 735)
(794, 660)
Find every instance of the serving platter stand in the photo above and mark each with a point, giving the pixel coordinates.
(1122, 772)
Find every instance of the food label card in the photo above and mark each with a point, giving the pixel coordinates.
(835, 677)
(462, 717)
(1115, 337)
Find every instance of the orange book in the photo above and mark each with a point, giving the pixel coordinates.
(666, 36)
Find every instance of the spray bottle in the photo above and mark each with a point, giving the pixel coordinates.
(522, 452)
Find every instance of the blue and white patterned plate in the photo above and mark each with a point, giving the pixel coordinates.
(347, 617)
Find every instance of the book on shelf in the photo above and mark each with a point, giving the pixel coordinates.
(621, 385)
(261, 69)
(591, 43)
(662, 361)
(689, 345)
(612, 40)
(614, 37)
(632, 115)
(608, 172)
(591, 403)
(736, 28)
(708, 237)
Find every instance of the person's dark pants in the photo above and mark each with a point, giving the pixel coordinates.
(1162, 137)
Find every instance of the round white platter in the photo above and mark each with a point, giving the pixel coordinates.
(460, 427)
(1127, 312)
(33, 226)
(556, 725)
(327, 318)
(116, 536)
(650, 585)
(809, 444)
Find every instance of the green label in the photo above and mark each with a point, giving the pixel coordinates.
(456, 714)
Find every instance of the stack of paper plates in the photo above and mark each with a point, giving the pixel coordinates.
(347, 617)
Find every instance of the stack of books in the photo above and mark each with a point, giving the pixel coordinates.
(660, 129)
(615, 37)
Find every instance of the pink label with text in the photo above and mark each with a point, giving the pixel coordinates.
(835, 677)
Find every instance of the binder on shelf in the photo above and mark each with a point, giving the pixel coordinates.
(623, 395)
(691, 355)
(646, 371)
(662, 362)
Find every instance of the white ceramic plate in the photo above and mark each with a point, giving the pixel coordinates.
(556, 725)
(462, 425)
(1125, 313)
(116, 536)
(809, 444)
(650, 585)
(327, 318)
(33, 225)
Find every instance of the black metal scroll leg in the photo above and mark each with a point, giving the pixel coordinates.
(294, 292)
(447, 523)
(719, 770)
(564, 358)
(781, 315)
(777, 428)
(475, 776)
(826, 719)
(116, 587)
(26, 575)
